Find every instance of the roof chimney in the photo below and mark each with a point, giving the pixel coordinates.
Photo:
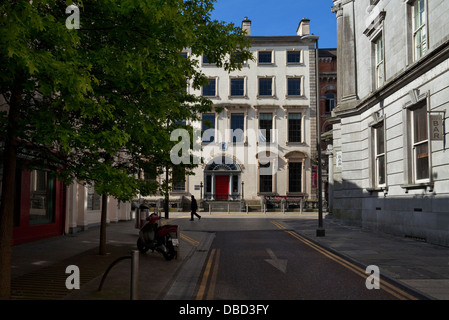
(246, 26)
(303, 28)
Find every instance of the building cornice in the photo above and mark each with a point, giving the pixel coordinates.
(412, 72)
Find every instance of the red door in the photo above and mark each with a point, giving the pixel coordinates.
(222, 187)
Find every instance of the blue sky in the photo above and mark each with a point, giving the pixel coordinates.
(281, 17)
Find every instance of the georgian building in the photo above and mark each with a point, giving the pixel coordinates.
(258, 143)
(391, 167)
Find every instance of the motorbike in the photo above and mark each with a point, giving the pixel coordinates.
(163, 239)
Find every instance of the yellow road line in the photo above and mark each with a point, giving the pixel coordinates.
(213, 280)
(203, 284)
(386, 286)
(188, 239)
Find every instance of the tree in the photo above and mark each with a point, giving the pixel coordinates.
(92, 104)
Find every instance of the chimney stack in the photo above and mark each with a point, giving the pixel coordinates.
(246, 26)
(303, 28)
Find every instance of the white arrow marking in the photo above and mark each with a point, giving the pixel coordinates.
(280, 264)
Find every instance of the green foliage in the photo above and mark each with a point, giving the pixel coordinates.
(99, 103)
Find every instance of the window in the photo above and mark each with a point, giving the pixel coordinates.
(208, 127)
(379, 151)
(295, 177)
(294, 127)
(380, 69)
(265, 126)
(330, 102)
(293, 57)
(265, 57)
(237, 127)
(93, 198)
(265, 178)
(208, 60)
(237, 87)
(419, 21)
(208, 184)
(236, 57)
(294, 86)
(266, 87)
(235, 184)
(41, 197)
(209, 90)
(179, 179)
(420, 142)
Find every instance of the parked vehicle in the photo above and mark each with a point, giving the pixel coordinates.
(163, 239)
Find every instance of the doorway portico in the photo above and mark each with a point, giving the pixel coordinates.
(222, 179)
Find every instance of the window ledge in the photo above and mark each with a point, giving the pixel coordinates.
(424, 185)
(297, 144)
(377, 189)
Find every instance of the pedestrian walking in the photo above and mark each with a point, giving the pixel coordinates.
(193, 208)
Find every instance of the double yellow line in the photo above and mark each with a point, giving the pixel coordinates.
(391, 289)
(209, 276)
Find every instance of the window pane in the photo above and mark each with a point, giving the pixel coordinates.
(380, 148)
(419, 12)
(209, 184)
(93, 199)
(294, 87)
(41, 197)
(379, 50)
(330, 102)
(265, 177)
(207, 60)
(265, 87)
(209, 90)
(294, 127)
(265, 126)
(264, 56)
(420, 124)
(422, 161)
(294, 177)
(381, 173)
(237, 87)
(208, 127)
(237, 126)
(293, 57)
(235, 184)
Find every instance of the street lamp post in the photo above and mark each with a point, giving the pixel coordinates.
(320, 232)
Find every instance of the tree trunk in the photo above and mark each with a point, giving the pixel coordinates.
(7, 196)
(104, 212)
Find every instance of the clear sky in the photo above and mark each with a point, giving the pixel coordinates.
(281, 17)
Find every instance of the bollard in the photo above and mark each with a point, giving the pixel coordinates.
(134, 274)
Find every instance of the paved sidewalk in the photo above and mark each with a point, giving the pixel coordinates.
(39, 268)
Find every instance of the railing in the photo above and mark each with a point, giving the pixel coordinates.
(222, 197)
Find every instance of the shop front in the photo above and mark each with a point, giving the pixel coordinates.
(39, 206)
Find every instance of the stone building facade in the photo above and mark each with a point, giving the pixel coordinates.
(391, 167)
(258, 142)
